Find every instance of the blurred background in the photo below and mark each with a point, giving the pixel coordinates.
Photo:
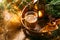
(11, 14)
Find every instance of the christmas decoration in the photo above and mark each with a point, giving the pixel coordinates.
(38, 19)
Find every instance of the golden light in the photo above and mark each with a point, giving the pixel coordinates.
(15, 7)
(40, 14)
(11, 20)
(35, 6)
(10, 17)
(15, 18)
(49, 28)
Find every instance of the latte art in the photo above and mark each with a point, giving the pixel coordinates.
(31, 18)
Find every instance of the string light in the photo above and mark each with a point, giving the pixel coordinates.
(40, 14)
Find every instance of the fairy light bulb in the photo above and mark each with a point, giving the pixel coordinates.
(40, 14)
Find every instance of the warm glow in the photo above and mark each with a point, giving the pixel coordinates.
(11, 17)
(35, 1)
(1, 0)
(40, 14)
(19, 13)
(7, 15)
(49, 28)
(36, 6)
(15, 7)
(15, 18)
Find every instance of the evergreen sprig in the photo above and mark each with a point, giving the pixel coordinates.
(53, 8)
